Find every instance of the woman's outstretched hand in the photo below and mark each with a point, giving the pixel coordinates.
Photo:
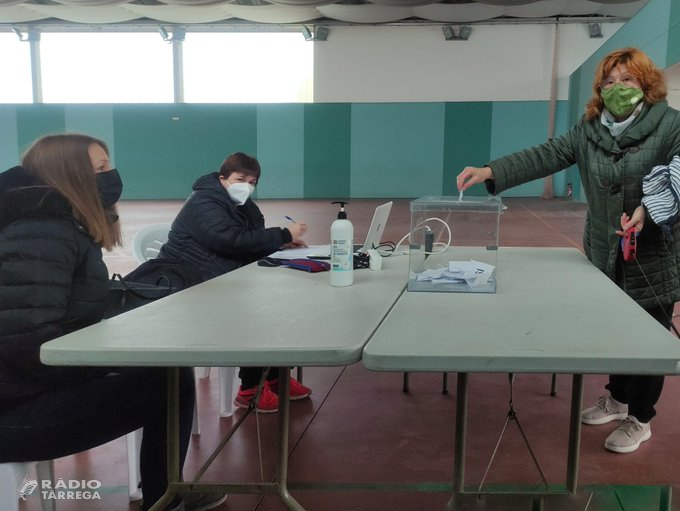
(471, 176)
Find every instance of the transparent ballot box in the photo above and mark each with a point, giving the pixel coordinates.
(453, 244)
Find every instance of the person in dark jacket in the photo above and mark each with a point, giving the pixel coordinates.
(628, 129)
(57, 211)
(220, 229)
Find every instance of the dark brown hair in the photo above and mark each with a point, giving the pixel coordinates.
(63, 162)
(240, 162)
(640, 66)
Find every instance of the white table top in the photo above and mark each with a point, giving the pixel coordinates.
(254, 316)
(553, 312)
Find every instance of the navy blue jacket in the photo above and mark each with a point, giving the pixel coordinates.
(216, 236)
(52, 281)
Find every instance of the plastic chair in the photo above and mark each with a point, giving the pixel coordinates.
(146, 244)
(12, 477)
(228, 387)
(134, 446)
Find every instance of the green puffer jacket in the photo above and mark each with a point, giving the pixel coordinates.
(611, 172)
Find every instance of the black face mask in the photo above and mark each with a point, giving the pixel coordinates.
(110, 187)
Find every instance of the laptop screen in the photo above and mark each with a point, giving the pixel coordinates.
(377, 228)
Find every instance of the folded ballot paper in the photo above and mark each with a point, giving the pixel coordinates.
(473, 273)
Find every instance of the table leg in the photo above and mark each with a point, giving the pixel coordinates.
(574, 432)
(461, 430)
(666, 499)
(537, 504)
(173, 454)
(284, 427)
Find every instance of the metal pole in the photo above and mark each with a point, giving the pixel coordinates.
(172, 437)
(284, 430)
(459, 449)
(574, 433)
(36, 73)
(548, 192)
(178, 36)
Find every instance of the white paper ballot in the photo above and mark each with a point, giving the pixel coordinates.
(475, 273)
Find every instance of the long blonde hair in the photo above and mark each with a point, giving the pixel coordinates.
(63, 162)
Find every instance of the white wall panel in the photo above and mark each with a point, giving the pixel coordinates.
(401, 63)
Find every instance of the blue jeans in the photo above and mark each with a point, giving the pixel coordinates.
(75, 418)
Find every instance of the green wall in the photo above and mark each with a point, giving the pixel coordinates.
(397, 149)
(332, 150)
(655, 29)
(673, 41)
(326, 150)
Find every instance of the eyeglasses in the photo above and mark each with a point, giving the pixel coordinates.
(626, 81)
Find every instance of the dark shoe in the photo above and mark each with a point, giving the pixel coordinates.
(203, 501)
(176, 507)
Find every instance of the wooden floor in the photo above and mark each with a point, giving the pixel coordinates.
(359, 426)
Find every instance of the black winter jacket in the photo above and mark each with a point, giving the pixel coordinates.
(52, 281)
(216, 236)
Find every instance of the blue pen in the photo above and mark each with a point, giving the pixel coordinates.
(288, 218)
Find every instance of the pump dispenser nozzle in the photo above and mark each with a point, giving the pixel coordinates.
(342, 213)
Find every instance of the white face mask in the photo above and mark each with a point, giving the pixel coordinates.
(240, 192)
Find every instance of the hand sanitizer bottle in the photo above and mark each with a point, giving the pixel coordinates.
(342, 249)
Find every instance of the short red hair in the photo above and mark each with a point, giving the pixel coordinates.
(640, 66)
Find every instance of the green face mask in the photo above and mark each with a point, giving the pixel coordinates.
(620, 100)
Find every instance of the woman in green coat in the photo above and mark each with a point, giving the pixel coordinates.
(628, 129)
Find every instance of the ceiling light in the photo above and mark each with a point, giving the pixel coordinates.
(164, 33)
(460, 33)
(465, 32)
(321, 33)
(20, 34)
(595, 30)
(316, 33)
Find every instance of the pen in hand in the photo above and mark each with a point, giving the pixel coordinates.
(297, 230)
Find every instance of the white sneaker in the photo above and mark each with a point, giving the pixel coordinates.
(606, 410)
(628, 436)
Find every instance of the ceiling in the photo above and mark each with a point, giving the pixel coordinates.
(283, 12)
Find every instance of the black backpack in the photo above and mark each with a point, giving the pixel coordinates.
(150, 281)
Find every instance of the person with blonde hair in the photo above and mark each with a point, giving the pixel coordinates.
(57, 212)
(627, 130)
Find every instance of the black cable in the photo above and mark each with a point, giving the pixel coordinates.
(386, 246)
(670, 320)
